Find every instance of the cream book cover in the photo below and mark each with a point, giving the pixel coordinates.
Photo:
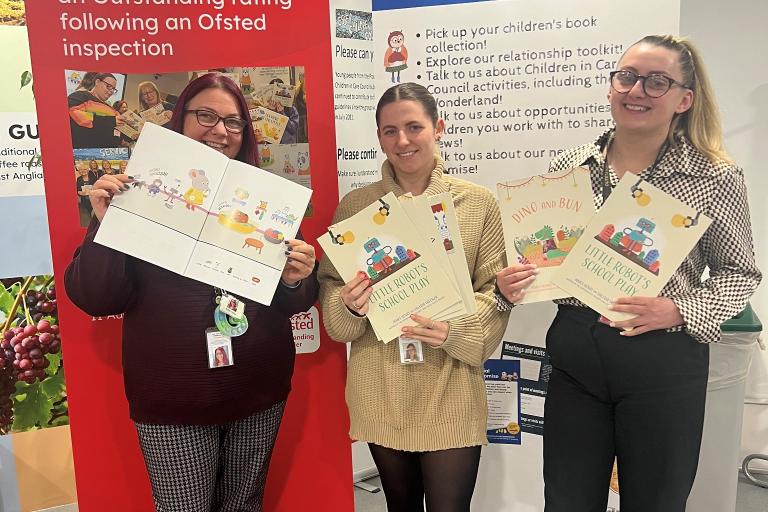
(443, 213)
(381, 241)
(270, 124)
(418, 210)
(632, 246)
(543, 217)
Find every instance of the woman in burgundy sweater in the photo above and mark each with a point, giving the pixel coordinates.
(206, 433)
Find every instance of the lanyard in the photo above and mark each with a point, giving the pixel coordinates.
(636, 187)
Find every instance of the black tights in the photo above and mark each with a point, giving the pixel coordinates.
(446, 477)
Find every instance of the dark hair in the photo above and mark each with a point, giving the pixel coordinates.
(88, 80)
(408, 91)
(393, 34)
(410, 345)
(249, 151)
(116, 105)
(101, 76)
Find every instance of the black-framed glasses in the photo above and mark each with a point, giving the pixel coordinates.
(232, 124)
(655, 85)
(111, 88)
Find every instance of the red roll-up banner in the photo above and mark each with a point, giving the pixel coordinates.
(166, 42)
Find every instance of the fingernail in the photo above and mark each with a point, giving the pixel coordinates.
(290, 260)
(612, 324)
(536, 271)
(111, 195)
(287, 253)
(286, 242)
(131, 178)
(125, 189)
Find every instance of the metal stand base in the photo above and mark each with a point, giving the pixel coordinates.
(366, 486)
(752, 478)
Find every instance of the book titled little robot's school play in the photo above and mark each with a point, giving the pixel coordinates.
(193, 211)
(632, 246)
(381, 241)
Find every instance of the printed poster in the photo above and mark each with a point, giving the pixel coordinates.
(535, 370)
(502, 388)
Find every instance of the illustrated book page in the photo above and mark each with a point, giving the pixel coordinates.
(543, 217)
(632, 246)
(193, 211)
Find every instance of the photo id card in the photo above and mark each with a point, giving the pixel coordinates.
(229, 305)
(410, 351)
(219, 349)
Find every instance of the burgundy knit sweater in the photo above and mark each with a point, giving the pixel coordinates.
(165, 358)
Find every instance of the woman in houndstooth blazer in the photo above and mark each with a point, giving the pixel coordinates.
(635, 390)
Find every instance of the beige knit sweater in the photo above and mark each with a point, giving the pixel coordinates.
(439, 404)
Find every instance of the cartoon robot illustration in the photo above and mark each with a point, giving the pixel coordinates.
(379, 259)
(172, 193)
(396, 56)
(196, 194)
(635, 240)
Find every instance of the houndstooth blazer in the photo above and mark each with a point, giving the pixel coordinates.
(718, 191)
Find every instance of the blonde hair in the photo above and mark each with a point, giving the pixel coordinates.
(143, 104)
(701, 123)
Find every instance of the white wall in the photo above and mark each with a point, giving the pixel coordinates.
(734, 41)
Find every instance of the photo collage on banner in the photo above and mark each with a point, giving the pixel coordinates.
(34, 410)
(107, 112)
(115, 81)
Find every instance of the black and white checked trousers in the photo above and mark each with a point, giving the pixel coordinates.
(210, 468)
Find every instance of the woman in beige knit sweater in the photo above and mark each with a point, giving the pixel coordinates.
(424, 423)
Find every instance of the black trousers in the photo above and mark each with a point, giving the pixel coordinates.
(639, 399)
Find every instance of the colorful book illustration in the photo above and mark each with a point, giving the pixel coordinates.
(284, 94)
(195, 212)
(271, 124)
(132, 124)
(154, 115)
(632, 246)
(435, 218)
(381, 241)
(543, 217)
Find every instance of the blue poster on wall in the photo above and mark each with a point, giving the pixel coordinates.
(502, 388)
